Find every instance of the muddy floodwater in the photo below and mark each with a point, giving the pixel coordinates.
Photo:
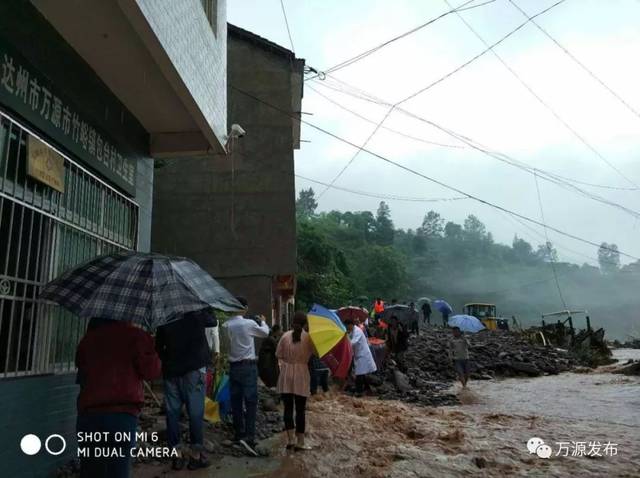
(485, 436)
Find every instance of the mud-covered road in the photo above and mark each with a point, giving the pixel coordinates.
(485, 436)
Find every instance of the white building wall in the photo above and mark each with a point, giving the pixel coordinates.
(199, 55)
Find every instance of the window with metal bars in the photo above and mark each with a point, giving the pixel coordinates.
(44, 232)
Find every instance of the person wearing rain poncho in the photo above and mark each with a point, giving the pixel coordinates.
(363, 363)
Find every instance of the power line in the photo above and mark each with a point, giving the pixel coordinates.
(482, 53)
(355, 155)
(370, 51)
(286, 22)
(552, 260)
(386, 128)
(508, 160)
(381, 196)
(541, 101)
(542, 236)
(431, 85)
(423, 176)
(579, 63)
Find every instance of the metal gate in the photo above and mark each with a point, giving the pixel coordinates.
(43, 233)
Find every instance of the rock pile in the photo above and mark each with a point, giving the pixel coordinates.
(429, 372)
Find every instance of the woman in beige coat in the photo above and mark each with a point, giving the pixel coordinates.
(294, 351)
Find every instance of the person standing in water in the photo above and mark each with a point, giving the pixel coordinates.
(459, 353)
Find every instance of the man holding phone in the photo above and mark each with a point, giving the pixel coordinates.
(243, 373)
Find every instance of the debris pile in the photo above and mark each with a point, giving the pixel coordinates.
(428, 372)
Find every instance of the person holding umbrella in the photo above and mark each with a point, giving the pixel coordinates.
(113, 358)
(294, 351)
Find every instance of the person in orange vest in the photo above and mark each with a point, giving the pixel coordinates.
(378, 309)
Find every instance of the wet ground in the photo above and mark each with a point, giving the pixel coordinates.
(485, 436)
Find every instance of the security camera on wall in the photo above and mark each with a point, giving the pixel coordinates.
(237, 131)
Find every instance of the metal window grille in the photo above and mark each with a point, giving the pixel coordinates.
(43, 233)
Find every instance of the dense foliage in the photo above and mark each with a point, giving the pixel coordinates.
(345, 255)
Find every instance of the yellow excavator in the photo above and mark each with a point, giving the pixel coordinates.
(485, 313)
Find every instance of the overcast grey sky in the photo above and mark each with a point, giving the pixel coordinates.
(483, 101)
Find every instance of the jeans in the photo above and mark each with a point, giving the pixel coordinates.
(187, 389)
(110, 467)
(319, 377)
(243, 385)
(300, 402)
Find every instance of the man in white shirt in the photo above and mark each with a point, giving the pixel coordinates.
(243, 373)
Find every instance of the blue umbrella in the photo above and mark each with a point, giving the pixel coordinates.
(442, 306)
(466, 323)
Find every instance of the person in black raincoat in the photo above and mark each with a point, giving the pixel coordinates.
(268, 368)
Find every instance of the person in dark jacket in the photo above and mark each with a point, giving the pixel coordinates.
(426, 313)
(397, 341)
(185, 354)
(268, 368)
(113, 358)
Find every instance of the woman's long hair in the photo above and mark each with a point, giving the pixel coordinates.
(299, 321)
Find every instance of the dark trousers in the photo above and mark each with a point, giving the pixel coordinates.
(243, 385)
(187, 390)
(92, 466)
(427, 319)
(361, 381)
(300, 403)
(445, 320)
(319, 377)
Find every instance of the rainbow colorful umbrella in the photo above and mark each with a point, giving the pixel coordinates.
(329, 336)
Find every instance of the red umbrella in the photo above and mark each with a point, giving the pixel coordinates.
(352, 312)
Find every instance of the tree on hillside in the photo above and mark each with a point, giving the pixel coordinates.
(432, 225)
(323, 274)
(608, 258)
(453, 231)
(547, 253)
(474, 229)
(306, 203)
(384, 229)
(380, 271)
(522, 250)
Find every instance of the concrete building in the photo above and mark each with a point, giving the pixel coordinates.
(235, 214)
(90, 91)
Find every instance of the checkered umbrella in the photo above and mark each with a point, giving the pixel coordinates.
(149, 289)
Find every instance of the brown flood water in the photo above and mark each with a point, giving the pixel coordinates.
(485, 436)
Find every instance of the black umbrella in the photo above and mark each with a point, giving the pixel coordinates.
(150, 289)
(404, 313)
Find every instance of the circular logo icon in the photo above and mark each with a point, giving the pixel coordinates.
(544, 451)
(62, 448)
(5, 288)
(30, 444)
(534, 443)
